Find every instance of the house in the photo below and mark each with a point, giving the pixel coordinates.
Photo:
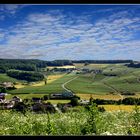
(7, 84)
(3, 93)
(16, 99)
(2, 97)
(36, 100)
(64, 95)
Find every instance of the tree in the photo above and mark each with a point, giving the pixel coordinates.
(45, 81)
(74, 101)
(3, 90)
(86, 63)
(45, 97)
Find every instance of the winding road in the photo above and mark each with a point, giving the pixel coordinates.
(63, 85)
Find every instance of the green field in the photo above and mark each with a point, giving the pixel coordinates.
(126, 79)
(53, 87)
(5, 78)
(87, 84)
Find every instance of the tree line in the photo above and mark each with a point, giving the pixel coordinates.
(134, 65)
(125, 101)
(29, 64)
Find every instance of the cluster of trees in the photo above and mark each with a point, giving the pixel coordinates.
(28, 76)
(59, 63)
(132, 64)
(29, 105)
(125, 101)
(62, 69)
(110, 74)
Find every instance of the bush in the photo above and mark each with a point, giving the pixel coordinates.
(43, 108)
(74, 101)
(45, 97)
(20, 107)
(101, 109)
(90, 126)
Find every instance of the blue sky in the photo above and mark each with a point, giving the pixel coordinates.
(75, 32)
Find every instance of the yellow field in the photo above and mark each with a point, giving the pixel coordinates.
(19, 85)
(50, 79)
(61, 67)
(107, 97)
(118, 107)
(80, 65)
(58, 101)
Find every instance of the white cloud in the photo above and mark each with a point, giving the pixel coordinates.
(55, 36)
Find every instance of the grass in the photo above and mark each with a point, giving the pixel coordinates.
(85, 84)
(24, 96)
(53, 87)
(5, 78)
(126, 80)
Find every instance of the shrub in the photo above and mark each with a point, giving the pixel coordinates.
(90, 125)
(74, 101)
(45, 97)
(101, 109)
(20, 107)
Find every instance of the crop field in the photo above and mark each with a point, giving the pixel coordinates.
(53, 87)
(61, 67)
(128, 108)
(99, 85)
(50, 79)
(88, 85)
(91, 66)
(96, 96)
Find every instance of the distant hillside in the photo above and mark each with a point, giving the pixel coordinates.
(35, 64)
(102, 61)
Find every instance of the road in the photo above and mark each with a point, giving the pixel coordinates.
(63, 85)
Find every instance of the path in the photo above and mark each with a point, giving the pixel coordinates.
(63, 85)
(115, 90)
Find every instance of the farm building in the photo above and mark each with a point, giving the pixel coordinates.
(64, 95)
(36, 100)
(2, 97)
(7, 84)
(16, 99)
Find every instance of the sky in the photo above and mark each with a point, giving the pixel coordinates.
(75, 32)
